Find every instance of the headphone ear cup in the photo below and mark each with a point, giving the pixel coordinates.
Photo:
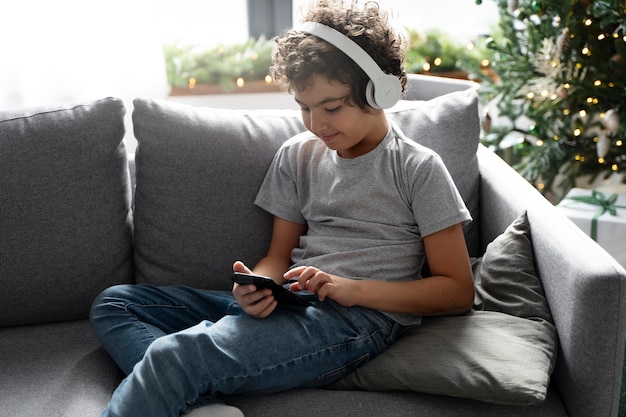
(387, 91)
(370, 95)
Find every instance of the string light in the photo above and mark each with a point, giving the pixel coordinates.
(240, 82)
(191, 84)
(268, 79)
(588, 22)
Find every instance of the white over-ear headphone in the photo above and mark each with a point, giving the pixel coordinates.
(383, 90)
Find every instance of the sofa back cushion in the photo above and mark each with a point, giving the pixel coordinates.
(198, 171)
(65, 216)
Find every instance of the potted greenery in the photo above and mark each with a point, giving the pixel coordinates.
(219, 69)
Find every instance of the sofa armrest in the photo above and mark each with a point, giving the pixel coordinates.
(583, 284)
(426, 87)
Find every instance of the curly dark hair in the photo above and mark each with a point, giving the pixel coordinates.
(298, 55)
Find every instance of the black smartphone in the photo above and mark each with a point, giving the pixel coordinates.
(281, 294)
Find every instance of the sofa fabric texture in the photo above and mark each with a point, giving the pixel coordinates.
(189, 224)
(197, 171)
(65, 216)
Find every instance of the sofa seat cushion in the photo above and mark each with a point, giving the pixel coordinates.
(198, 171)
(504, 351)
(315, 402)
(55, 370)
(65, 212)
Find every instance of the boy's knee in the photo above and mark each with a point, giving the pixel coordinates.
(112, 296)
(167, 356)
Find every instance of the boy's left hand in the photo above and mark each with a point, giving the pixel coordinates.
(342, 290)
(255, 302)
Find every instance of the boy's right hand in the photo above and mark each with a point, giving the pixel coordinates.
(256, 303)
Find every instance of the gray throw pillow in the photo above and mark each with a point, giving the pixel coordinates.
(65, 216)
(505, 276)
(491, 356)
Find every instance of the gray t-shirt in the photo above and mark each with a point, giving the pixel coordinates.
(366, 216)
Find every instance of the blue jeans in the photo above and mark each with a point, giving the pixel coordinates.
(182, 347)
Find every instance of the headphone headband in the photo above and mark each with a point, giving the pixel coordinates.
(383, 90)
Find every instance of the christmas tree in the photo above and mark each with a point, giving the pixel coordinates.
(557, 102)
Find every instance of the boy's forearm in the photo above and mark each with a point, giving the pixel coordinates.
(428, 296)
(273, 267)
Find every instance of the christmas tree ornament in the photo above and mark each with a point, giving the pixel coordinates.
(561, 92)
(611, 121)
(485, 121)
(537, 6)
(563, 41)
(603, 146)
(512, 5)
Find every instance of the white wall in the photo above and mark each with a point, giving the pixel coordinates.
(462, 19)
(73, 50)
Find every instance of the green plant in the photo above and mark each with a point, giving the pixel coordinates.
(224, 65)
(435, 52)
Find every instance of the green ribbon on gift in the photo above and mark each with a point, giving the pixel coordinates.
(605, 203)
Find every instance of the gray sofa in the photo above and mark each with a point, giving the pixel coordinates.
(74, 219)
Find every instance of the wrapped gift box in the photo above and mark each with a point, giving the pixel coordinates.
(600, 214)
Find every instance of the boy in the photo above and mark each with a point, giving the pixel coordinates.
(357, 210)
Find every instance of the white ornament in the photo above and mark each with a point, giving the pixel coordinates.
(611, 121)
(603, 145)
(563, 41)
